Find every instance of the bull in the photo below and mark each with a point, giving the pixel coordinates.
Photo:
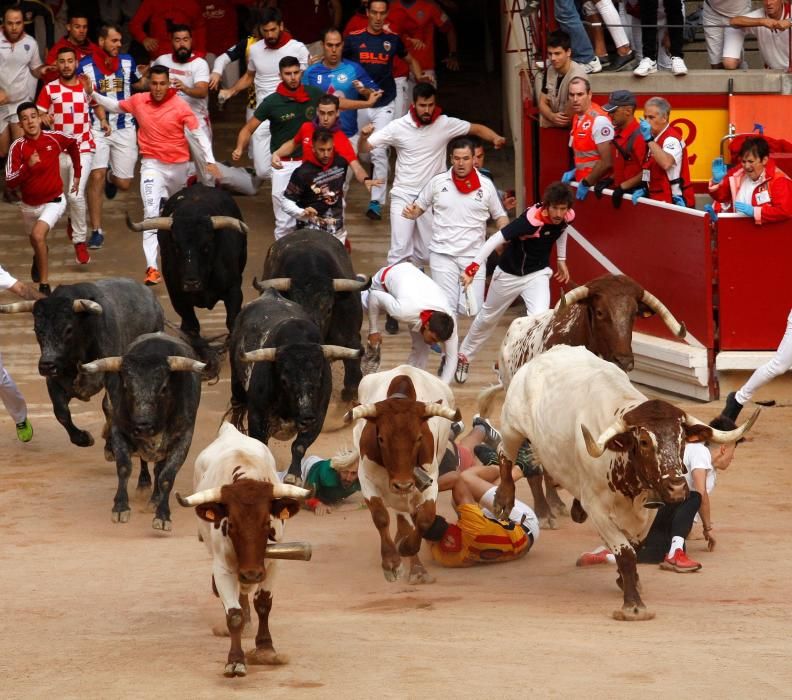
(242, 507)
(154, 390)
(604, 442)
(402, 429)
(314, 269)
(280, 374)
(80, 323)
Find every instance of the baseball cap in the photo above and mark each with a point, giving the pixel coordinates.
(620, 98)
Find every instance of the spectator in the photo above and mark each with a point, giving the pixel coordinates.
(603, 12)
(567, 15)
(629, 147)
(715, 14)
(553, 90)
(154, 18)
(769, 24)
(119, 13)
(675, 16)
(76, 38)
(508, 198)
(307, 19)
(222, 32)
(666, 163)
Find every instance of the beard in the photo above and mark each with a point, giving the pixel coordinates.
(182, 55)
(68, 76)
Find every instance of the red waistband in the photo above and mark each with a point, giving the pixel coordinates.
(385, 272)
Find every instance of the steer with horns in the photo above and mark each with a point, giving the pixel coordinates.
(242, 504)
(604, 442)
(80, 323)
(401, 434)
(154, 390)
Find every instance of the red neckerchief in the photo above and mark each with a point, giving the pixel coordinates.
(425, 316)
(298, 95)
(435, 114)
(468, 184)
(107, 64)
(283, 39)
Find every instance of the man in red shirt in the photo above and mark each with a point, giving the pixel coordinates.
(426, 16)
(33, 167)
(76, 38)
(159, 15)
(307, 19)
(628, 148)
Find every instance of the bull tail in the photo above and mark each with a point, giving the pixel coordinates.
(236, 415)
(486, 397)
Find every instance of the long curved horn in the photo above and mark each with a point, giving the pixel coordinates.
(724, 436)
(365, 410)
(596, 448)
(339, 352)
(436, 409)
(260, 355)
(105, 364)
(164, 223)
(341, 284)
(573, 296)
(177, 363)
(205, 496)
(280, 490)
(18, 307)
(280, 284)
(229, 222)
(677, 328)
(87, 306)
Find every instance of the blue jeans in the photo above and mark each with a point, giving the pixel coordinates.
(567, 16)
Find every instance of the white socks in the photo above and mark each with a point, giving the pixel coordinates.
(676, 543)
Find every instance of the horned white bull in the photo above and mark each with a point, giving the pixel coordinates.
(242, 505)
(604, 442)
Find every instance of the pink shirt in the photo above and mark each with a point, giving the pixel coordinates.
(161, 126)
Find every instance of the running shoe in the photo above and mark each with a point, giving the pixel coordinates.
(81, 253)
(96, 241)
(111, 190)
(678, 66)
(44, 289)
(593, 66)
(525, 461)
(491, 436)
(462, 369)
(24, 430)
(733, 407)
(152, 277)
(679, 563)
(645, 67)
(391, 325)
(374, 211)
(456, 429)
(486, 455)
(598, 556)
(625, 62)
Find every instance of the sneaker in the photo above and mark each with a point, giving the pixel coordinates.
(370, 362)
(732, 408)
(525, 461)
(679, 563)
(678, 66)
(486, 455)
(81, 253)
(605, 62)
(34, 271)
(69, 229)
(374, 211)
(44, 289)
(456, 429)
(621, 63)
(593, 66)
(96, 241)
(24, 430)
(491, 436)
(110, 187)
(462, 369)
(391, 325)
(152, 277)
(598, 556)
(645, 67)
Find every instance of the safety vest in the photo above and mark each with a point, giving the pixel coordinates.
(659, 182)
(582, 142)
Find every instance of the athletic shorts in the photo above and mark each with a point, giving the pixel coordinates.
(49, 213)
(119, 150)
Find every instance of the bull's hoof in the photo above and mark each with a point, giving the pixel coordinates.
(265, 657)
(161, 524)
(633, 613)
(502, 504)
(419, 575)
(108, 454)
(235, 668)
(393, 575)
(121, 516)
(82, 438)
(548, 522)
(293, 479)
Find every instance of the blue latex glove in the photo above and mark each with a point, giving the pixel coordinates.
(582, 191)
(646, 129)
(568, 176)
(718, 170)
(744, 208)
(641, 192)
(679, 200)
(711, 211)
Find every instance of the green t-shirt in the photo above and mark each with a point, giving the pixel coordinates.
(327, 483)
(286, 116)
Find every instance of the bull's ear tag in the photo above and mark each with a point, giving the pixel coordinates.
(647, 314)
(284, 514)
(209, 514)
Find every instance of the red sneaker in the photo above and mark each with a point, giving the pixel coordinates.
(598, 556)
(152, 277)
(680, 563)
(81, 253)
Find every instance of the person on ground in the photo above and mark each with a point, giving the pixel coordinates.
(333, 480)
(770, 24)
(552, 85)
(675, 18)
(76, 38)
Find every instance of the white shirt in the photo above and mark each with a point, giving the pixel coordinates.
(196, 70)
(6, 280)
(747, 187)
(459, 226)
(16, 62)
(264, 61)
(420, 151)
(773, 46)
(698, 456)
(602, 131)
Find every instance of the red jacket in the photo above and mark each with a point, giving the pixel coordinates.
(626, 168)
(156, 14)
(659, 183)
(774, 181)
(40, 183)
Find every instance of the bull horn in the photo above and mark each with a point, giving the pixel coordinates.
(341, 284)
(280, 490)
(279, 284)
(177, 363)
(165, 223)
(87, 306)
(436, 409)
(18, 307)
(572, 297)
(229, 222)
(105, 364)
(677, 328)
(365, 410)
(596, 448)
(300, 551)
(724, 436)
(260, 355)
(339, 352)
(197, 499)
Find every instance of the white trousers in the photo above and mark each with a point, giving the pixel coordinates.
(409, 238)
(284, 223)
(419, 354)
(504, 289)
(158, 181)
(402, 101)
(76, 201)
(611, 19)
(778, 364)
(11, 396)
(380, 117)
(262, 156)
(446, 270)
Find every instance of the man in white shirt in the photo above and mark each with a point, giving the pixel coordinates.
(715, 16)
(770, 25)
(462, 202)
(420, 138)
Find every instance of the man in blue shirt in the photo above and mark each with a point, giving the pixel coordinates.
(374, 49)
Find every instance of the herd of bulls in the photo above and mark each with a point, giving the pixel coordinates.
(592, 432)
